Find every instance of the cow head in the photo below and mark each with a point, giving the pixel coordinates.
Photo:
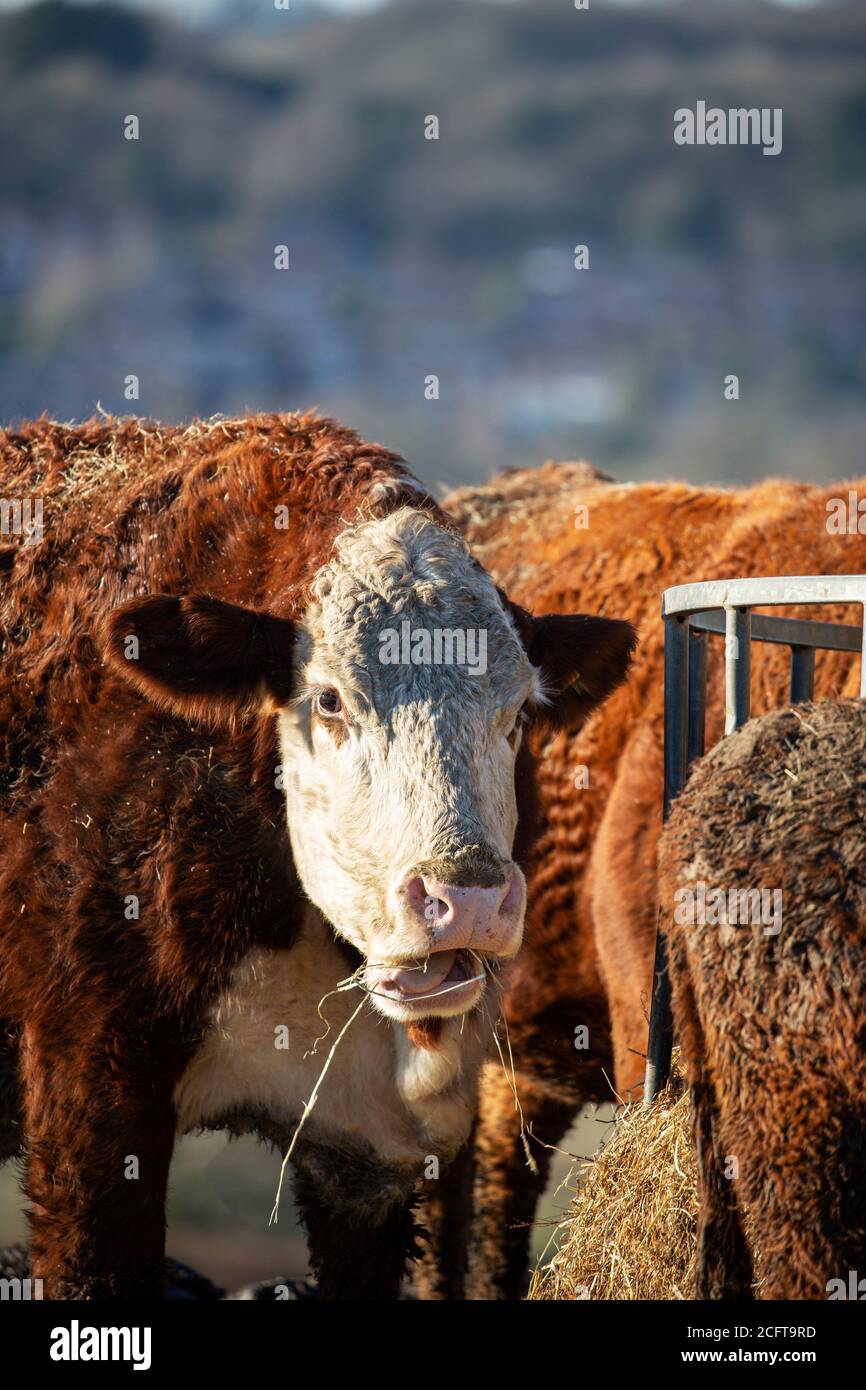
(401, 695)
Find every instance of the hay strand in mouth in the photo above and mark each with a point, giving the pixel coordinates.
(314, 1095)
(422, 965)
(436, 994)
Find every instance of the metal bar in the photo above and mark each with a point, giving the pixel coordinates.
(684, 599)
(697, 695)
(787, 632)
(737, 667)
(660, 1043)
(676, 707)
(802, 674)
(660, 1040)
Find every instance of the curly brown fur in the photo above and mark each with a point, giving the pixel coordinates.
(773, 1026)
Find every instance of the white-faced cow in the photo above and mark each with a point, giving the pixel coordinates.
(260, 732)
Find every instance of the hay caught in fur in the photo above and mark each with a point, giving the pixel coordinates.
(630, 1231)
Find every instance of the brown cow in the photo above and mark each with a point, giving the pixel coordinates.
(762, 878)
(260, 716)
(558, 538)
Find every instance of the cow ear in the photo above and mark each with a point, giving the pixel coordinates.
(200, 657)
(581, 659)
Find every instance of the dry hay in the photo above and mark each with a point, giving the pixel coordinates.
(630, 1229)
(72, 464)
(127, 450)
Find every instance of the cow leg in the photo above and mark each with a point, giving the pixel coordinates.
(724, 1264)
(622, 887)
(507, 1190)
(360, 1229)
(99, 1134)
(445, 1215)
(723, 1268)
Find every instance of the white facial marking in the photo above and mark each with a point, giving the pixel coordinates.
(399, 775)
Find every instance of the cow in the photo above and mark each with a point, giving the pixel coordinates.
(262, 721)
(762, 883)
(559, 538)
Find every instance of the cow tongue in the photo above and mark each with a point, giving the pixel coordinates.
(423, 979)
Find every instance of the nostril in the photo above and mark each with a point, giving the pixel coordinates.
(440, 915)
(424, 903)
(435, 909)
(446, 907)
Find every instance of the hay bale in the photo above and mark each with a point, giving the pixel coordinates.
(630, 1230)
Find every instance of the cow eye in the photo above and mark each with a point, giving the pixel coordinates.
(328, 702)
(520, 723)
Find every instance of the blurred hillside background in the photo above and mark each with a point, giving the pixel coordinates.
(305, 127)
(409, 257)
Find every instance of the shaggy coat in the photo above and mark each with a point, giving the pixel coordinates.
(157, 934)
(560, 538)
(771, 1011)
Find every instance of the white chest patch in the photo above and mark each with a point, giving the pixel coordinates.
(267, 1045)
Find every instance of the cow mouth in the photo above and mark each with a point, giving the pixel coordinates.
(446, 977)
